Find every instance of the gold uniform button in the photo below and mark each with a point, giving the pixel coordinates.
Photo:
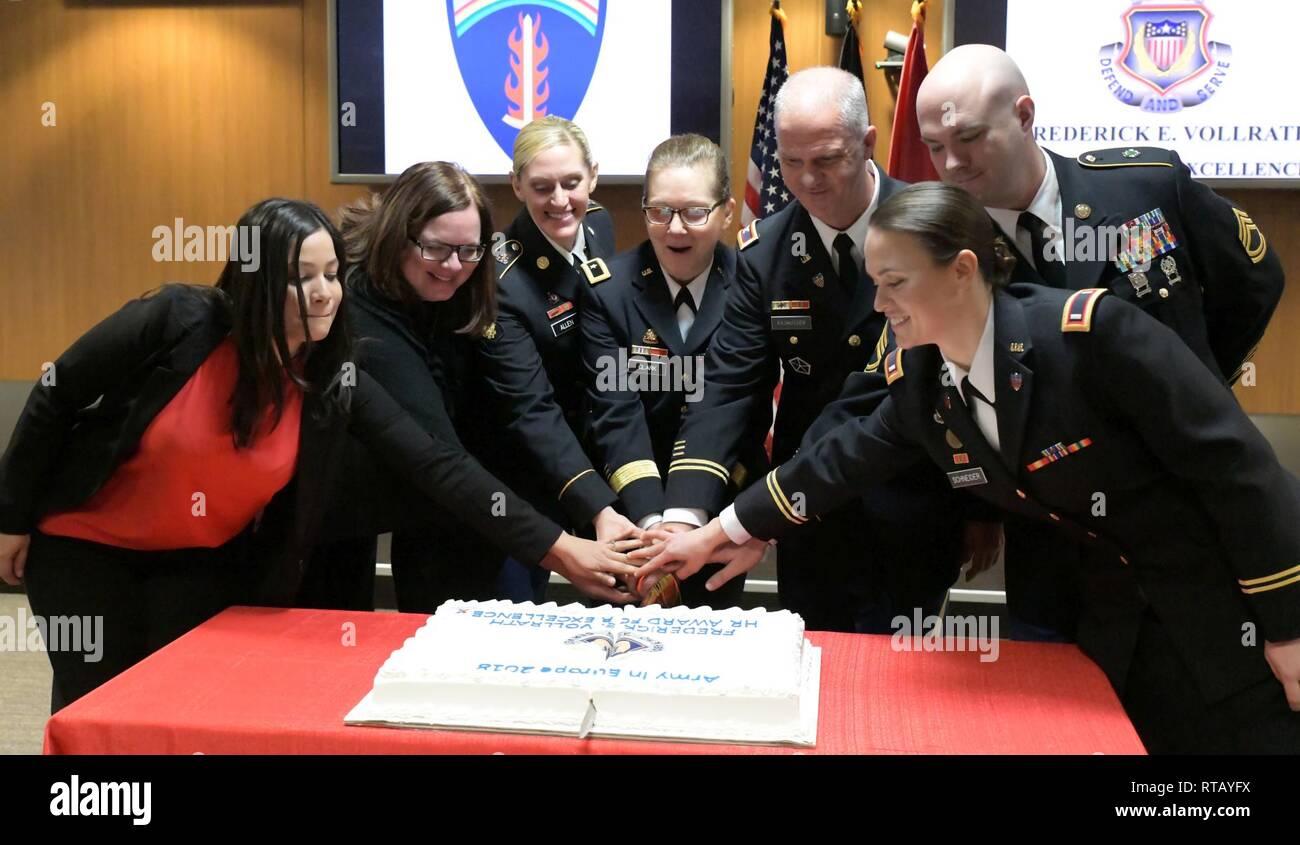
(854, 340)
(1021, 494)
(794, 339)
(1164, 293)
(543, 262)
(683, 409)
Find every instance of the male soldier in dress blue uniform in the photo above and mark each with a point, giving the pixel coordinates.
(1131, 220)
(801, 304)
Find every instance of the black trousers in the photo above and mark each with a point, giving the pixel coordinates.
(434, 558)
(855, 574)
(1172, 717)
(135, 602)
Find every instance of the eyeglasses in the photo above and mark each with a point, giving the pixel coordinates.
(662, 215)
(434, 251)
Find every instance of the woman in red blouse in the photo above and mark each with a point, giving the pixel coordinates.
(173, 461)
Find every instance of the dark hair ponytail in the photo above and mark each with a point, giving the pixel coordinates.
(946, 220)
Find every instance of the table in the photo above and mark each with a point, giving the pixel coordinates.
(274, 681)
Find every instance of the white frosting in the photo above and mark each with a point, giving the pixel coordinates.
(695, 673)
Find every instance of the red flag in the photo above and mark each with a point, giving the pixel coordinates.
(909, 160)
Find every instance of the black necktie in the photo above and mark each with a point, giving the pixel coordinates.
(848, 265)
(684, 298)
(1052, 272)
(968, 390)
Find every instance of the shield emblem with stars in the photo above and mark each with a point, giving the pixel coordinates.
(523, 59)
(1165, 44)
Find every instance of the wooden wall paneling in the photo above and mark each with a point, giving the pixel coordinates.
(162, 112)
(1277, 365)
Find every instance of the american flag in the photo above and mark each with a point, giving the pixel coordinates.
(765, 193)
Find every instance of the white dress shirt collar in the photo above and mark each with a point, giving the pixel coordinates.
(579, 250)
(695, 286)
(1046, 206)
(858, 230)
(981, 376)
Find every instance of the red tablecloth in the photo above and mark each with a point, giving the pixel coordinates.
(263, 681)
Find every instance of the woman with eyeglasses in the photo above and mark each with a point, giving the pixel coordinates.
(422, 289)
(178, 456)
(535, 432)
(646, 330)
(1077, 410)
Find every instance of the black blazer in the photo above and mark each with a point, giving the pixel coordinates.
(629, 326)
(78, 427)
(1195, 517)
(1216, 285)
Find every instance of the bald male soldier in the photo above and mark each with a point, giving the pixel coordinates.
(1180, 252)
(801, 302)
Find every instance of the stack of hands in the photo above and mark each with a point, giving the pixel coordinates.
(624, 563)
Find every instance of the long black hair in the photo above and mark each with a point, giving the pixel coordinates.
(256, 297)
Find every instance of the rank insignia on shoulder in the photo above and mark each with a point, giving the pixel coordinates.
(747, 235)
(507, 253)
(594, 206)
(595, 270)
(1077, 314)
(1252, 239)
(490, 333)
(893, 366)
(1127, 157)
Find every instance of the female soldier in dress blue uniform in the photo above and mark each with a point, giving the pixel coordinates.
(555, 248)
(1076, 409)
(645, 333)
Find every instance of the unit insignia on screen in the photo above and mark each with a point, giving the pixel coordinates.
(1165, 56)
(522, 60)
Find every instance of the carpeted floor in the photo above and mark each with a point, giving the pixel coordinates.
(24, 688)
